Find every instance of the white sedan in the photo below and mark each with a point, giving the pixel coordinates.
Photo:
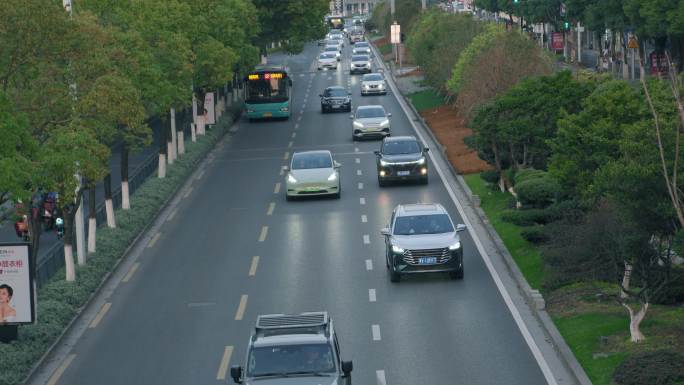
(312, 173)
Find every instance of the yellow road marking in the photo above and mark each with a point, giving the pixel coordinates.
(187, 194)
(154, 239)
(225, 360)
(131, 271)
(173, 214)
(253, 266)
(264, 232)
(100, 315)
(60, 370)
(241, 308)
(277, 188)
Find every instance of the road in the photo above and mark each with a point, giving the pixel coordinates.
(195, 289)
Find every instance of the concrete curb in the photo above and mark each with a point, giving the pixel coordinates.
(533, 298)
(105, 279)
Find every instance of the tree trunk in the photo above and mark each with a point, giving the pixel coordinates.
(162, 154)
(68, 247)
(125, 194)
(109, 204)
(174, 142)
(635, 319)
(79, 227)
(181, 134)
(169, 145)
(625, 280)
(497, 166)
(92, 220)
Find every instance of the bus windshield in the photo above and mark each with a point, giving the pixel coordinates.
(270, 90)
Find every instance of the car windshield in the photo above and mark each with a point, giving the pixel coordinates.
(327, 56)
(360, 58)
(290, 359)
(399, 147)
(361, 44)
(372, 77)
(335, 92)
(330, 49)
(423, 224)
(308, 161)
(373, 112)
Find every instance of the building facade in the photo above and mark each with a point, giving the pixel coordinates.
(358, 7)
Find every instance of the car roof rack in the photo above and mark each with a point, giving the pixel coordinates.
(303, 323)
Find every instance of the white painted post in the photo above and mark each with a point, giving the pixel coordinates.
(174, 141)
(80, 235)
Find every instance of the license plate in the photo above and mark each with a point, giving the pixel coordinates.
(336, 106)
(268, 114)
(313, 189)
(427, 260)
(403, 173)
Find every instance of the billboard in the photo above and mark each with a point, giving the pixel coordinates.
(17, 295)
(557, 42)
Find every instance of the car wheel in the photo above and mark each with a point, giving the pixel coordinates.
(458, 274)
(322, 108)
(394, 276)
(381, 183)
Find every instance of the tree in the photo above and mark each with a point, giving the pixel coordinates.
(291, 22)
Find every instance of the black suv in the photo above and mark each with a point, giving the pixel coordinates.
(301, 346)
(402, 158)
(421, 238)
(335, 98)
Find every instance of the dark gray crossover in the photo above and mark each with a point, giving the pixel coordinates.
(421, 238)
(293, 349)
(401, 158)
(335, 98)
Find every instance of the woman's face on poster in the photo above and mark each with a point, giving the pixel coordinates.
(4, 296)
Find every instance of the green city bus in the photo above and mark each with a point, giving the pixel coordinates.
(268, 93)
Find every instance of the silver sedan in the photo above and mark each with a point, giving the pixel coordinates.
(370, 121)
(312, 173)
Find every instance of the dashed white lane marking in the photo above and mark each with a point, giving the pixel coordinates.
(225, 360)
(264, 232)
(380, 377)
(299, 118)
(360, 186)
(364, 218)
(173, 214)
(356, 149)
(271, 207)
(154, 240)
(287, 155)
(201, 174)
(253, 266)
(358, 172)
(282, 171)
(294, 135)
(362, 201)
(290, 144)
(366, 239)
(376, 332)
(277, 188)
(60, 370)
(100, 315)
(131, 271)
(241, 307)
(369, 264)
(371, 295)
(296, 126)
(357, 160)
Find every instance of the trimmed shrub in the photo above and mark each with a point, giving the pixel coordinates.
(538, 192)
(661, 367)
(528, 217)
(490, 176)
(535, 234)
(527, 174)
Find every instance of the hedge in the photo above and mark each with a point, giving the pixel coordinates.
(529, 217)
(535, 234)
(539, 191)
(527, 174)
(651, 368)
(59, 301)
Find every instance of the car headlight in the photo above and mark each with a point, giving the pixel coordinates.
(284, 109)
(383, 162)
(358, 124)
(455, 246)
(397, 249)
(381, 85)
(291, 179)
(365, 86)
(332, 177)
(385, 122)
(421, 161)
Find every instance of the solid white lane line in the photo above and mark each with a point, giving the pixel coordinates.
(364, 218)
(358, 172)
(173, 214)
(100, 315)
(241, 308)
(187, 193)
(225, 361)
(131, 271)
(358, 160)
(380, 377)
(264, 232)
(154, 239)
(376, 332)
(253, 266)
(366, 239)
(60, 370)
(276, 189)
(271, 207)
(360, 186)
(362, 201)
(287, 155)
(369, 264)
(531, 343)
(371, 295)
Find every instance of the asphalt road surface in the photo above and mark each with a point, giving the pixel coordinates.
(234, 249)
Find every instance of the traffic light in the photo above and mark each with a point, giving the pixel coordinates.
(516, 1)
(566, 25)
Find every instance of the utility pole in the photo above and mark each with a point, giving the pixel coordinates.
(393, 8)
(580, 29)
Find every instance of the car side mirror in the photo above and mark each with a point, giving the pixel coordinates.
(337, 165)
(389, 114)
(347, 367)
(376, 152)
(236, 373)
(460, 227)
(385, 231)
(286, 168)
(426, 149)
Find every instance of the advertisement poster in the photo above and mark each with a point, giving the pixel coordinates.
(16, 285)
(209, 115)
(557, 42)
(659, 63)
